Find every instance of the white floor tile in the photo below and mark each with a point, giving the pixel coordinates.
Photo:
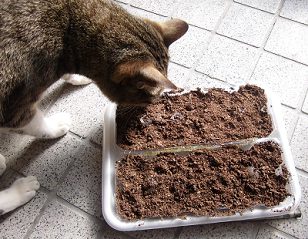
(289, 39)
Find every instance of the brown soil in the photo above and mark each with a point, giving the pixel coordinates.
(211, 183)
(194, 118)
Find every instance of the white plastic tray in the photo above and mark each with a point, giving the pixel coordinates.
(113, 153)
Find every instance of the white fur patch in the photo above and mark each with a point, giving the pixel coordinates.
(20, 192)
(76, 79)
(52, 127)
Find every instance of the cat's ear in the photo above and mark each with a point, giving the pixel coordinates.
(171, 30)
(153, 78)
(143, 75)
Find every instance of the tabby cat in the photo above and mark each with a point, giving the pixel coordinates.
(41, 41)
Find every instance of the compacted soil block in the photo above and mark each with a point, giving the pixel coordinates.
(206, 183)
(217, 116)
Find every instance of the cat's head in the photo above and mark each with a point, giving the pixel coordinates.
(143, 78)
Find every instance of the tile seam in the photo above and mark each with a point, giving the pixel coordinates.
(302, 172)
(39, 216)
(287, 58)
(261, 49)
(212, 34)
(246, 5)
(284, 233)
(291, 20)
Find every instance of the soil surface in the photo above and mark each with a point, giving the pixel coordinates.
(193, 118)
(210, 183)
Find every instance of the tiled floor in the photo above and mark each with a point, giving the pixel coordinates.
(229, 42)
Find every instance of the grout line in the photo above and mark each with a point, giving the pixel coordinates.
(77, 210)
(200, 27)
(100, 221)
(214, 78)
(285, 57)
(301, 100)
(259, 227)
(237, 40)
(213, 33)
(203, 49)
(269, 31)
(295, 21)
(293, 128)
(179, 64)
(52, 197)
(86, 140)
(64, 174)
(226, 10)
(256, 8)
(82, 147)
(76, 135)
(38, 217)
(187, 74)
(119, 1)
(259, 54)
(300, 105)
(299, 113)
(148, 11)
(251, 45)
(302, 172)
(288, 106)
(261, 49)
(305, 97)
(282, 232)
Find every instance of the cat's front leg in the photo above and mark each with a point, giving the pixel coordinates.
(19, 193)
(76, 79)
(47, 127)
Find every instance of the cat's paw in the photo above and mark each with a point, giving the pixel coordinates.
(77, 80)
(25, 188)
(2, 164)
(58, 125)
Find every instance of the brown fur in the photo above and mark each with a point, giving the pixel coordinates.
(127, 57)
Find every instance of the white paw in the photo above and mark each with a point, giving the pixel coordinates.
(58, 125)
(77, 79)
(25, 188)
(2, 164)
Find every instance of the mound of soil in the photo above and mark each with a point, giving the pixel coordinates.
(208, 183)
(193, 118)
